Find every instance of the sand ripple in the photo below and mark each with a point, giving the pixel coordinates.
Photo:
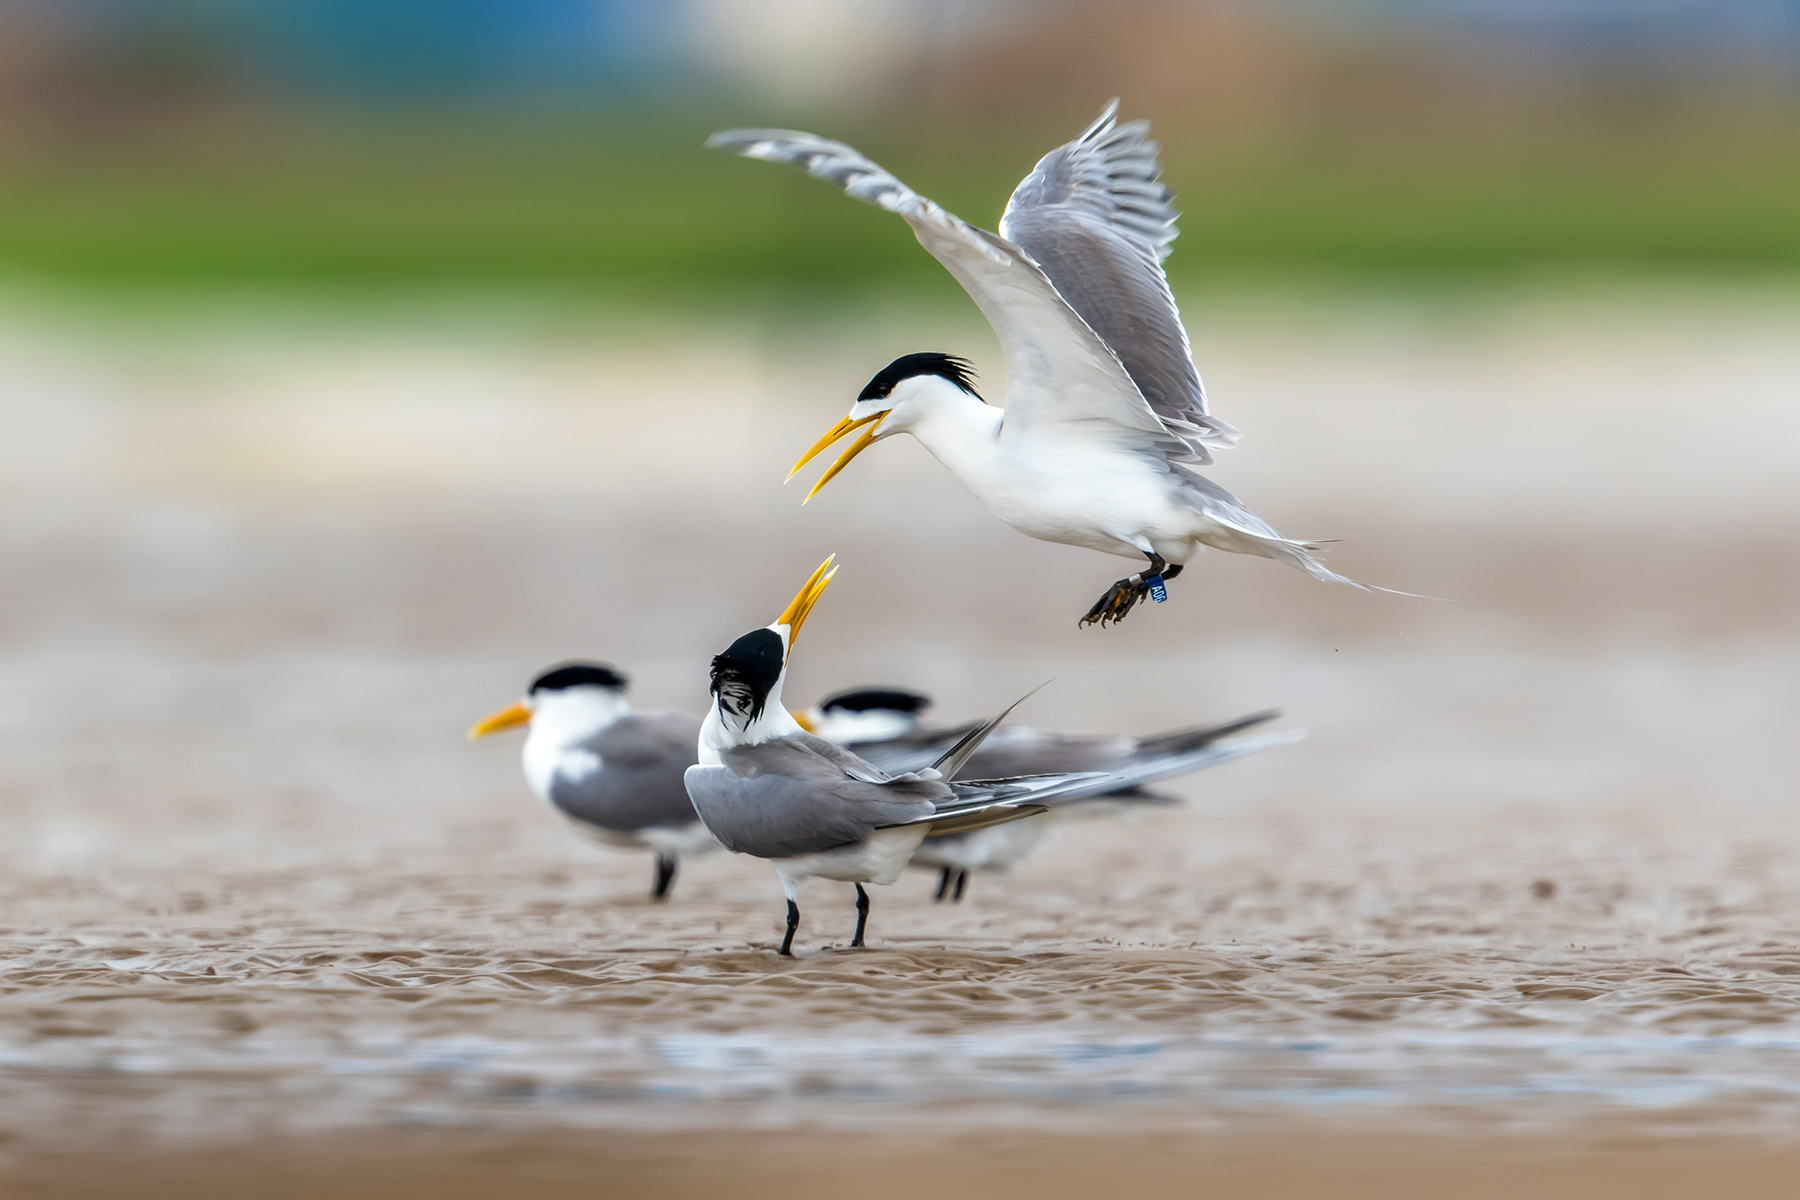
(560, 996)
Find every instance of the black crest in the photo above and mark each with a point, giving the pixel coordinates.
(876, 700)
(947, 366)
(579, 674)
(743, 676)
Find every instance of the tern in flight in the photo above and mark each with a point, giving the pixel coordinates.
(1105, 415)
(766, 787)
(615, 774)
(885, 726)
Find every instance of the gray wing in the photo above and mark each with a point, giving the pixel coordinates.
(1151, 768)
(1031, 752)
(1064, 380)
(793, 796)
(850, 763)
(1197, 737)
(1095, 217)
(639, 784)
(911, 751)
(1172, 754)
(984, 802)
(1133, 763)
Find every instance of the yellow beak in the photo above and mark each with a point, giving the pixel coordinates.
(803, 721)
(837, 431)
(794, 615)
(506, 718)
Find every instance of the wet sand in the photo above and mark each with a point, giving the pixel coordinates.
(1526, 897)
(1360, 1165)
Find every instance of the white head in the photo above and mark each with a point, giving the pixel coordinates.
(566, 704)
(747, 677)
(866, 715)
(902, 394)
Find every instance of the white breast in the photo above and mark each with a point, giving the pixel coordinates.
(878, 858)
(545, 763)
(561, 722)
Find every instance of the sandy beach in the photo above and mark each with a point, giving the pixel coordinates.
(1521, 912)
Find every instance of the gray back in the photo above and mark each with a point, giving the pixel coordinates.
(639, 784)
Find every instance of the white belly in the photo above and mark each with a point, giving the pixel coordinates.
(878, 858)
(690, 839)
(1091, 497)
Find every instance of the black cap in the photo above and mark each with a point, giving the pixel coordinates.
(946, 366)
(579, 674)
(876, 700)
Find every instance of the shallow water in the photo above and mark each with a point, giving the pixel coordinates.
(1420, 973)
(1538, 860)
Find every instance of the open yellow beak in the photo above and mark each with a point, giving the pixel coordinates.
(837, 431)
(794, 615)
(506, 718)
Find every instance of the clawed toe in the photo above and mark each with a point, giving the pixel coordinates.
(1120, 599)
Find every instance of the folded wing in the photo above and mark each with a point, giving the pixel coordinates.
(792, 796)
(1107, 764)
(801, 794)
(639, 783)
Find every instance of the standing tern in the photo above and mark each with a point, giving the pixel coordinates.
(766, 787)
(615, 774)
(1104, 406)
(885, 726)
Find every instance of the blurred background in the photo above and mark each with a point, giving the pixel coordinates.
(500, 141)
(359, 358)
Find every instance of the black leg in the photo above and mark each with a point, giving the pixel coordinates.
(943, 885)
(962, 881)
(787, 943)
(665, 875)
(1128, 593)
(862, 916)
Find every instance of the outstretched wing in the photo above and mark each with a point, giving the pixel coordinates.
(1064, 378)
(1095, 217)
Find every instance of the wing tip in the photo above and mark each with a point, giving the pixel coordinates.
(1109, 114)
(746, 141)
(739, 140)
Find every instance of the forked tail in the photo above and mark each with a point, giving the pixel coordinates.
(1305, 555)
(1243, 532)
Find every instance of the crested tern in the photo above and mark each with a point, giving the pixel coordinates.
(615, 774)
(1105, 410)
(767, 788)
(886, 726)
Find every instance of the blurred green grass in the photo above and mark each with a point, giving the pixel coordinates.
(640, 205)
